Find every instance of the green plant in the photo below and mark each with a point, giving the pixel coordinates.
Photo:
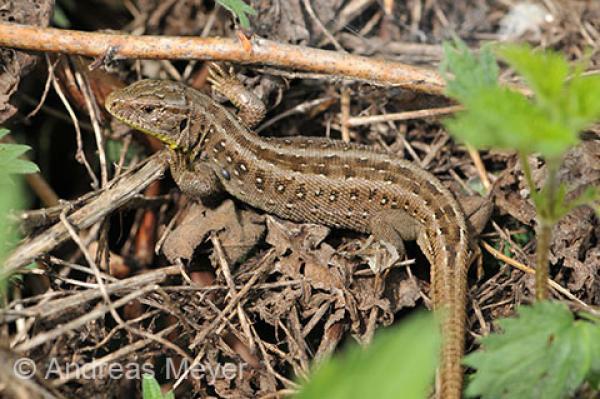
(545, 352)
(151, 389)
(11, 194)
(239, 9)
(548, 123)
(400, 362)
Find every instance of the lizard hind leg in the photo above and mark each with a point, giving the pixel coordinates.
(251, 108)
(393, 227)
(477, 211)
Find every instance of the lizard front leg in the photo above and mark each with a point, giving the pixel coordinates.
(197, 180)
(477, 211)
(252, 109)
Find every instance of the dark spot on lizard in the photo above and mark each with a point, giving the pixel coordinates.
(429, 187)
(301, 192)
(280, 187)
(448, 209)
(333, 196)
(438, 213)
(259, 181)
(372, 193)
(413, 187)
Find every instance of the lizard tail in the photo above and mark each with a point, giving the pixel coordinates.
(451, 298)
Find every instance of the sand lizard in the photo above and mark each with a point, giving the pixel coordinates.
(313, 180)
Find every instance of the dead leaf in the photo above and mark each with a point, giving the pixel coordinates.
(238, 231)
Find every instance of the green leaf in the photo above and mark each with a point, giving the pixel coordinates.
(590, 195)
(470, 73)
(572, 102)
(9, 158)
(545, 72)
(544, 353)
(522, 239)
(501, 118)
(400, 363)
(593, 378)
(239, 9)
(59, 17)
(564, 103)
(582, 103)
(151, 389)
(11, 197)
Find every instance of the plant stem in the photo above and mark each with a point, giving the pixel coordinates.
(546, 220)
(544, 236)
(546, 217)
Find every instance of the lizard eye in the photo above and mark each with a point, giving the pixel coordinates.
(148, 109)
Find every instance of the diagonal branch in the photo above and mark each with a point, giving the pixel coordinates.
(109, 200)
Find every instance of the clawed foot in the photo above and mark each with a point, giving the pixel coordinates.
(221, 80)
(379, 254)
(179, 162)
(477, 258)
(252, 109)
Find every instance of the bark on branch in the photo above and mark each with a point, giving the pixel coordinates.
(262, 51)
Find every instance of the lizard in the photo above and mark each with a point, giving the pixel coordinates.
(313, 180)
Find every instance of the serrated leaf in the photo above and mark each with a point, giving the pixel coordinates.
(501, 118)
(544, 353)
(564, 104)
(239, 9)
(400, 363)
(582, 103)
(546, 72)
(470, 73)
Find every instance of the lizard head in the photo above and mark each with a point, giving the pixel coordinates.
(159, 108)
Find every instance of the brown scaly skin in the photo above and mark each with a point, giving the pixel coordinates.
(312, 180)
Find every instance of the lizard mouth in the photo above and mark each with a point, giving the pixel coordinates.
(163, 138)
(110, 107)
